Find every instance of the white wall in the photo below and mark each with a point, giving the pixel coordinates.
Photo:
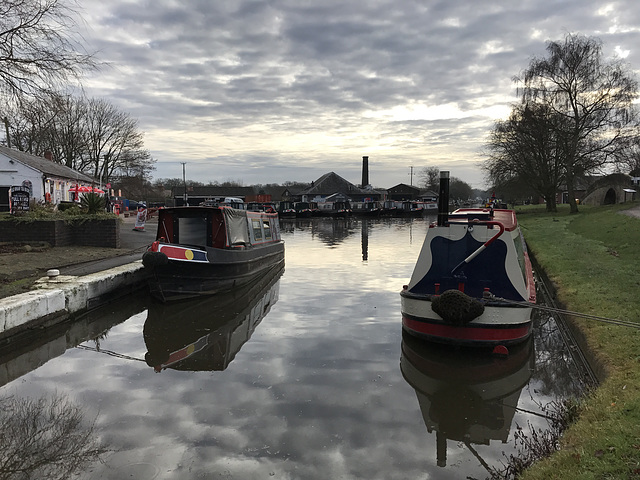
(15, 173)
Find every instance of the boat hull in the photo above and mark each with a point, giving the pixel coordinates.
(224, 271)
(499, 324)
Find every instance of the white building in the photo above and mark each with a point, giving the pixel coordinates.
(40, 175)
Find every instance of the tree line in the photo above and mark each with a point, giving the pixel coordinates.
(458, 189)
(39, 57)
(576, 117)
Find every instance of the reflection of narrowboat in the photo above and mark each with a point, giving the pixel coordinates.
(206, 334)
(465, 395)
(473, 281)
(208, 250)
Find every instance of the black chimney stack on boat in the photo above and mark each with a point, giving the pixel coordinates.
(443, 199)
(365, 172)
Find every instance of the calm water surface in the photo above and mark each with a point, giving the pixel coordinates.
(305, 375)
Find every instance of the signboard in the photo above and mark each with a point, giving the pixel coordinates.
(19, 199)
(141, 218)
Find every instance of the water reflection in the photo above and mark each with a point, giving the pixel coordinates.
(207, 334)
(465, 395)
(21, 356)
(316, 393)
(365, 239)
(45, 437)
(331, 231)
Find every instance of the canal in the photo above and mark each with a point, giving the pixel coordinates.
(305, 375)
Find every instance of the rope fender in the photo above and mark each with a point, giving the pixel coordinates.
(456, 307)
(152, 259)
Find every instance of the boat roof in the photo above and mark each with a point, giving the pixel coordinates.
(502, 215)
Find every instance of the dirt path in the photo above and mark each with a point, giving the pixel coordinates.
(632, 212)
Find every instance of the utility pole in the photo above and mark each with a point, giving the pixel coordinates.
(411, 181)
(6, 129)
(105, 170)
(184, 182)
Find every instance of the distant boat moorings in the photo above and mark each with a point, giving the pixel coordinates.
(337, 209)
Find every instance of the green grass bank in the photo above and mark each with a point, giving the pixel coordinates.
(593, 258)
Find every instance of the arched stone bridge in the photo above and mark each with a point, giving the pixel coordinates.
(610, 190)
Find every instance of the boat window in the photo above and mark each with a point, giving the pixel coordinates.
(257, 231)
(267, 229)
(192, 230)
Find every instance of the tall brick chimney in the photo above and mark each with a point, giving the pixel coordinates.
(365, 172)
(48, 155)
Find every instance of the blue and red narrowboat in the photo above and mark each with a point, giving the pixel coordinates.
(473, 283)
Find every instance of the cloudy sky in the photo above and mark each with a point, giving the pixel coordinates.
(277, 90)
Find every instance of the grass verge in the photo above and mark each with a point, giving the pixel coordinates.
(593, 258)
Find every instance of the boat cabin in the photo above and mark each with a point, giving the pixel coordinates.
(217, 227)
(505, 217)
(233, 202)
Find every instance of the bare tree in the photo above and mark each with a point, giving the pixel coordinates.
(459, 189)
(113, 142)
(90, 135)
(38, 49)
(430, 178)
(67, 131)
(525, 150)
(629, 162)
(593, 96)
(53, 122)
(26, 126)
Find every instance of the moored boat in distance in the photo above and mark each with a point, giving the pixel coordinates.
(268, 207)
(473, 282)
(416, 208)
(208, 250)
(233, 202)
(334, 209)
(391, 208)
(369, 208)
(303, 209)
(286, 210)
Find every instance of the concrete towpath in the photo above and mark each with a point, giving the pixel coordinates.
(80, 285)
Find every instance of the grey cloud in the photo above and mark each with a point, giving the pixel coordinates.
(300, 68)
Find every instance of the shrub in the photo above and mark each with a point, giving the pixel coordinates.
(64, 206)
(92, 203)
